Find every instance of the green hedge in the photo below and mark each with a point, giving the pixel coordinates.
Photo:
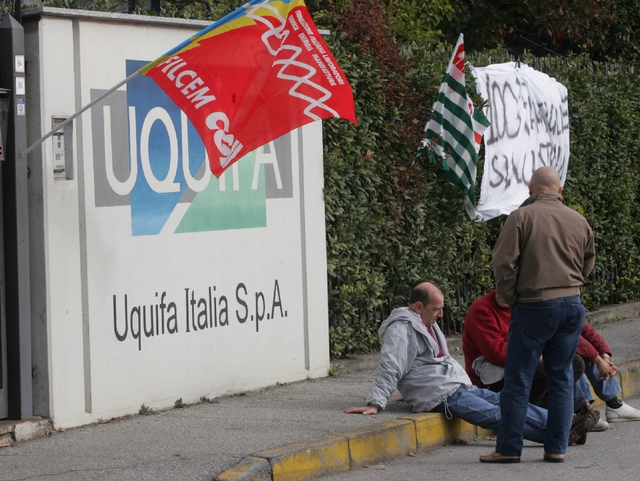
(602, 181)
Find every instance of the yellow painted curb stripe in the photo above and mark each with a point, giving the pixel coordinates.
(388, 440)
(310, 459)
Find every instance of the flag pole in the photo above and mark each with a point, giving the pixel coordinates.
(78, 113)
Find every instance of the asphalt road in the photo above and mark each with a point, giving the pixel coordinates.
(609, 455)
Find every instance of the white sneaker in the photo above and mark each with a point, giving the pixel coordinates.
(622, 414)
(601, 425)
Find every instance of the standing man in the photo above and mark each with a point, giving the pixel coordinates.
(540, 261)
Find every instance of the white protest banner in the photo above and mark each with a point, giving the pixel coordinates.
(529, 115)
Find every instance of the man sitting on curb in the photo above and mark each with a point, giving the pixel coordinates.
(415, 360)
(484, 344)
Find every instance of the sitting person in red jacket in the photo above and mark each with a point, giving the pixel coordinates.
(484, 344)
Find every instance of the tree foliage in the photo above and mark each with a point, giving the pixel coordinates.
(603, 29)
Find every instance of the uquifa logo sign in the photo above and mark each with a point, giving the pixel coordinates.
(148, 155)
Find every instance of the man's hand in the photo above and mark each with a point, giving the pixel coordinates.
(611, 364)
(606, 367)
(363, 410)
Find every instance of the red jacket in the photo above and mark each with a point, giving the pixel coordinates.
(486, 329)
(591, 344)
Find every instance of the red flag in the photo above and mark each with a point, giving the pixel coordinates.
(255, 75)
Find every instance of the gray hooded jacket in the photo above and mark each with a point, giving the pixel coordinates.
(409, 361)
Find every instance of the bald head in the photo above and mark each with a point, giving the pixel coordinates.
(428, 301)
(545, 179)
(423, 292)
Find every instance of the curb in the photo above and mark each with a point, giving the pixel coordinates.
(617, 311)
(358, 448)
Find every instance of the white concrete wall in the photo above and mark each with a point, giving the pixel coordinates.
(103, 248)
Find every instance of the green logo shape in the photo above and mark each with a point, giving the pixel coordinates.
(221, 206)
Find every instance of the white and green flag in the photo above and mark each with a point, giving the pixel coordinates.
(454, 132)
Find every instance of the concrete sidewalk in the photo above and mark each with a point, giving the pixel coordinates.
(287, 432)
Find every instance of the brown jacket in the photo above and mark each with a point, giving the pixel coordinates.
(545, 251)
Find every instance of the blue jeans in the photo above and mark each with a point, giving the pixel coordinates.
(481, 407)
(551, 329)
(605, 390)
